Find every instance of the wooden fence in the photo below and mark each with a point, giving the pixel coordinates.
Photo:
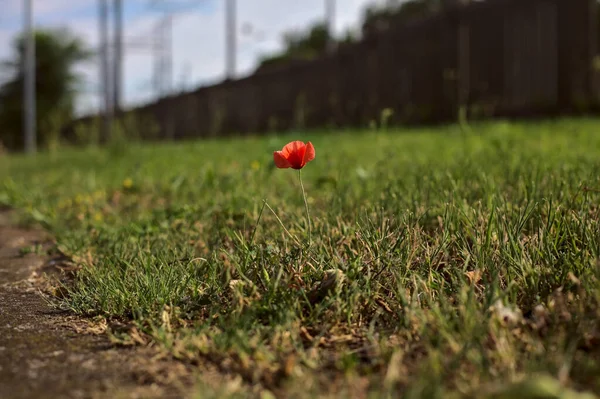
(491, 58)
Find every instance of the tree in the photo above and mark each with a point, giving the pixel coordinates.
(311, 43)
(300, 45)
(304, 45)
(57, 83)
(378, 19)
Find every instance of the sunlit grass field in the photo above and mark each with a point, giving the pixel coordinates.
(445, 262)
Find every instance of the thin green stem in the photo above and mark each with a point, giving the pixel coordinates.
(281, 223)
(257, 222)
(306, 207)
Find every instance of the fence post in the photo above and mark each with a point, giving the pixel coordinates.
(464, 70)
(463, 59)
(576, 66)
(593, 56)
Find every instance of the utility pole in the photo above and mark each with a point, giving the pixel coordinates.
(168, 53)
(29, 102)
(104, 71)
(163, 50)
(162, 46)
(163, 56)
(157, 48)
(168, 71)
(330, 24)
(230, 38)
(463, 55)
(118, 56)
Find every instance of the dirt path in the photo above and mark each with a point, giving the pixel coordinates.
(41, 354)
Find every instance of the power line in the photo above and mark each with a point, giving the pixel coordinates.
(163, 63)
(163, 43)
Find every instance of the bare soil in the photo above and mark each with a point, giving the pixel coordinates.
(43, 352)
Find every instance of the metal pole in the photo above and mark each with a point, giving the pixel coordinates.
(104, 71)
(118, 56)
(168, 54)
(230, 38)
(330, 23)
(157, 46)
(29, 104)
(169, 75)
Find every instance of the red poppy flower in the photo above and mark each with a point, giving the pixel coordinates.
(294, 155)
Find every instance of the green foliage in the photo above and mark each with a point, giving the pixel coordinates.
(379, 18)
(300, 45)
(57, 53)
(311, 43)
(445, 262)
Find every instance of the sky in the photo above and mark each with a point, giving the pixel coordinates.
(198, 37)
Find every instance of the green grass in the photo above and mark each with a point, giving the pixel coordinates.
(465, 260)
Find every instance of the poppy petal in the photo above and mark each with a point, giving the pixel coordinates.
(291, 148)
(309, 155)
(280, 161)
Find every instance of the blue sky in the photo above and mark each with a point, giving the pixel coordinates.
(198, 36)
